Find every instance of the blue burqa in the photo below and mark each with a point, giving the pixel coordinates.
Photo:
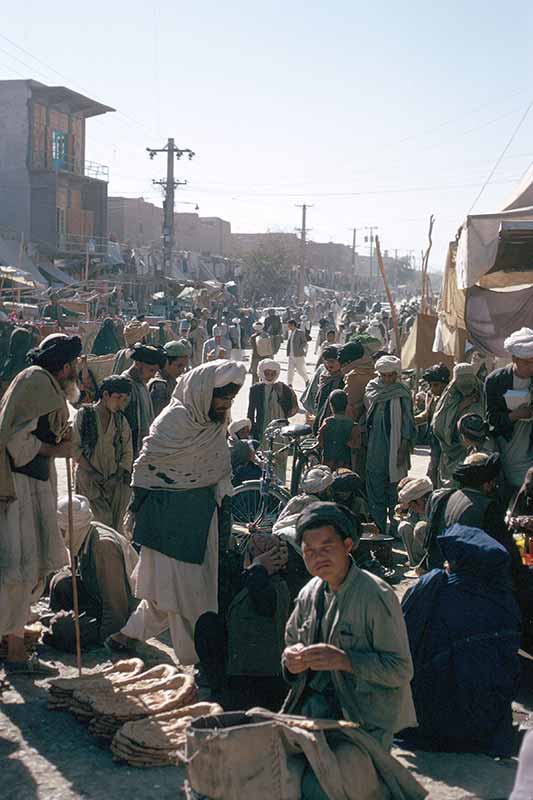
(464, 633)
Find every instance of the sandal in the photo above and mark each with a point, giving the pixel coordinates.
(114, 646)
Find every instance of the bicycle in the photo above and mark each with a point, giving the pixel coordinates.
(259, 502)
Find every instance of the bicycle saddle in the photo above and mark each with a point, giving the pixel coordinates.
(295, 430)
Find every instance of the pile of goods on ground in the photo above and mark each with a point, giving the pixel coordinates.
(142, 714)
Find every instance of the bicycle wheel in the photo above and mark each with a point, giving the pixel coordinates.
(248, 505)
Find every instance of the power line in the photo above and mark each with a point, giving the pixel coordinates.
(505, 149)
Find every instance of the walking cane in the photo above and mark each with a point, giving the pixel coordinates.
(73, 569)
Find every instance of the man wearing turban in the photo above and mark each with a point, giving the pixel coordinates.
(34, 430)
(139, 410)
(413, 498)
(391, 433)
(510, 408)
(161, 387)
(102, 446)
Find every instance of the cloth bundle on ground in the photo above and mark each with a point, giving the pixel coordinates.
(283, 752)
(32, 394)
(464, 635)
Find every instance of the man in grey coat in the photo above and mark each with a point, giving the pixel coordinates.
(296, 352)
(347, 652)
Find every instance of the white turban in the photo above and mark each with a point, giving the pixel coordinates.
(258, 326)
(387, 364)
(317, 480)
(237, 426)
(520, 343)
(229, 372)
(414, 490)
(82, 517)
(268, 363)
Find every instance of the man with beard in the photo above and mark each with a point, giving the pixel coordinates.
(180, 479)
(330, 379)
(34, 430)
(140, 411)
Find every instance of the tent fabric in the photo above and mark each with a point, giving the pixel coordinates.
(478, 245)
(523, 195)
(417, 350)
(492, 316)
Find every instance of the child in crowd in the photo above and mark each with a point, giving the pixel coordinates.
(338, 436)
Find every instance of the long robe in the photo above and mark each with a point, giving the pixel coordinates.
(139, 411)
(112, 453)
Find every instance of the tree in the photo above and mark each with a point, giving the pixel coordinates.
(267, 274)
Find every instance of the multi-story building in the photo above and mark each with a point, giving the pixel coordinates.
(49, 192)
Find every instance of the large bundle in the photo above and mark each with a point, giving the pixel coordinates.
(159, 740)
(108, 707)
(101, 366)
(62, 689)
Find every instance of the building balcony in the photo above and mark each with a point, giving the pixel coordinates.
(82, 245)
(87, 169)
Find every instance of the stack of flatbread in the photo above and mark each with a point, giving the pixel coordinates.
(159, 740)
(61, 690)
(155, 691)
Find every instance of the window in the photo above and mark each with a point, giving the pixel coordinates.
(59, 149)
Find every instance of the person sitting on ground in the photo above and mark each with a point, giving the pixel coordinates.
(315, 486)
(103, 449)
(240, 646)
(462, 395)
(464, 633)
(413, 498)
(162, 385)
(348, 489)
(244, 462)
(338, 437)
(105, 561)
(347, 652)
(474, 432)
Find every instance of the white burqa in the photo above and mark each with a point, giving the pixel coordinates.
(188, 447)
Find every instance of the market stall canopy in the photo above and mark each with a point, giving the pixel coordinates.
(522, 197)
(21, 278)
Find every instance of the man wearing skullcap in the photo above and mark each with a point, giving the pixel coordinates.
(463, 395)
(105, 561)
(413, 498)
(135, 331)
(262, 347)
(510, 408)
(103, 448)
(162, 385)
(34, 430)
(437, 378)
(139, 410)
(347, 654)
(391, 434)
(268, 400)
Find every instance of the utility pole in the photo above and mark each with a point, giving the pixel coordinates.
(370, 238)
(169, 186)
(303, 239)
(354, 276)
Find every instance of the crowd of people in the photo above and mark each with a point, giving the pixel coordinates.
(298, 616)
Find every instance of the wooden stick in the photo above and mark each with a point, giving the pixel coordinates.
(393, 311)
(73, 568)
(425, 264)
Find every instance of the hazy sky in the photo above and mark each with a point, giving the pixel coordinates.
(374, 113)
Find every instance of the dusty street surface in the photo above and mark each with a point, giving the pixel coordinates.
(48, 755)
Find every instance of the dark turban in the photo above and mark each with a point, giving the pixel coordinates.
(330, 352)
(438, 373)
(473, 427)
(351, 352)
(347, 482)
(147, 354)
(317, 515)
(115, 384)
(55, 351)
(478, 471)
